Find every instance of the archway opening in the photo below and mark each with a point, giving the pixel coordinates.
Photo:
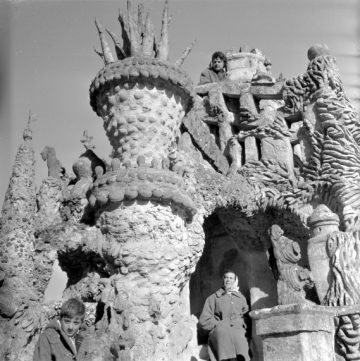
(241, 242)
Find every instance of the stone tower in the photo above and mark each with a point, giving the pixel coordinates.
(18, 296)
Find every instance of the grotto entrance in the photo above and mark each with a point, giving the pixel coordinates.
(239, 242)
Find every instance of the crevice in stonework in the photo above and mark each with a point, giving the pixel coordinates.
(57, 284)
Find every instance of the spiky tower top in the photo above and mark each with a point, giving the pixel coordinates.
(142, 99)
(138, 52)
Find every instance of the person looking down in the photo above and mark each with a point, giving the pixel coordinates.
(216, 72)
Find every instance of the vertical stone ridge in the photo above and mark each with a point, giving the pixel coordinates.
(17, 217)
(17, 290)
(19, 206)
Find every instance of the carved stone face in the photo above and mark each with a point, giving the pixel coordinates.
(217, 64)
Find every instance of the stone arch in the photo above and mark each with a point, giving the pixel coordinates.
(240, 241)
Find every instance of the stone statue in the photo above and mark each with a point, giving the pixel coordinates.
(292, 278)
(55, 168)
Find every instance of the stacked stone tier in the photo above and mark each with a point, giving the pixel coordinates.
(159, 185)
(131, 69)
(142, 102)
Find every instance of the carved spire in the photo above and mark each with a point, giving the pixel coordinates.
(120, 53)
(163, 45)
(138, 36)
(108, 57)
(18, 215)
(87, 140)
(185, 54)
(19, 205)
(27, 135)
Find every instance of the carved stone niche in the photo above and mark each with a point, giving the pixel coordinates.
(298, 332)
(239, 242)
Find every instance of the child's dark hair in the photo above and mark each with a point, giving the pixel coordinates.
(72, 307)
(221, 55)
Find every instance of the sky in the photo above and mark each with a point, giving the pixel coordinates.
(47, 60)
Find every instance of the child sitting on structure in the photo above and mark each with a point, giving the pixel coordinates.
(216, 72)
(61, 339)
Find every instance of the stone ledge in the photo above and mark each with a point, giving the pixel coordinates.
(230, 88)
(135, 68)
(141, 183)
(293, 318)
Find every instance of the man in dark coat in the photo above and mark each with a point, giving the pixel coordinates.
(222, 317)
(216, 71)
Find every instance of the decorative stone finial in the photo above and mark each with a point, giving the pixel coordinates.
(321, 216)
(87, 140)
(27, 135)
(244, 49)
(317, 50)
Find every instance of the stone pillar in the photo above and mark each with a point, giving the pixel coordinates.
(279, 149)
(150, 246)
(263, 292)
(297, 332)
(322, 222)
(251, 151)
(143, 209)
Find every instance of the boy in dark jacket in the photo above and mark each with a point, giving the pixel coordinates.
(61, 339)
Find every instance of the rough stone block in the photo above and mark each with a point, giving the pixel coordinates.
(268, 92)
(296, 332)
(8, 306)
(251, 151)
(277, 149)
(202, 137)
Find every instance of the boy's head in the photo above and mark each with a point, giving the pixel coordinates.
(72, 315)
(218, 61)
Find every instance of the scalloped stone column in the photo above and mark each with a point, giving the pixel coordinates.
(143, 208)
(142, 102)
(149, 249)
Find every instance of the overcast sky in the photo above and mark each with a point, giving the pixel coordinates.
(47, 60)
